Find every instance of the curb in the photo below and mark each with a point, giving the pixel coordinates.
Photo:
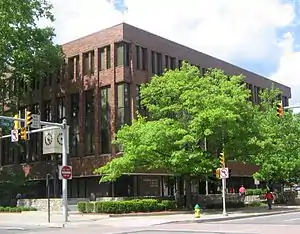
(148, 214)
(42, 225)
(226, 218)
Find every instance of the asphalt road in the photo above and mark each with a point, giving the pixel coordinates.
(284, 223)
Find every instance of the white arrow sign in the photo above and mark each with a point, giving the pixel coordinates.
(224, 173)
(14, 135)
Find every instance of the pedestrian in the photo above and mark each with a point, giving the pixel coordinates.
(242, 192)
(269, 196)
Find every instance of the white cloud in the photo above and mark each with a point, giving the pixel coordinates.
(289, 69)
(233, 30)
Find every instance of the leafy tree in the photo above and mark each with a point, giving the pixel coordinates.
(27, 52)
(279, 140)
(185, 108)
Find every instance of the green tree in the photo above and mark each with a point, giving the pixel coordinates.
(27, 52)
(279, 153)
(185, 108)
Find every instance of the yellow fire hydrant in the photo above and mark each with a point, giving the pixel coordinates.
(197, 211)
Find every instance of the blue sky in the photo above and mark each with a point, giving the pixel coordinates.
(260, 35)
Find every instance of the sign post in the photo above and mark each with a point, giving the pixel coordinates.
(64, 147)
(224, 174)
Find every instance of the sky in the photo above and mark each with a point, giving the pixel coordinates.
(262, 36)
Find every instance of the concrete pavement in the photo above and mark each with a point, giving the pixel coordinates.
(288, 223)
(36, 222)
(280, 223)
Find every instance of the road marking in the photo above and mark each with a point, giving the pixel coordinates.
(288, 220)
(258, 216)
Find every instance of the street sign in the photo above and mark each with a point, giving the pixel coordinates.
(52, 141)
(65, 172)
(14, 135)
(256, 182)
(224, 173)
(6, 123)
(36, 121)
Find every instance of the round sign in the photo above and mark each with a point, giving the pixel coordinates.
(66, 172)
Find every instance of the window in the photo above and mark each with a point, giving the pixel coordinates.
(167, 61)
(153, 62)
(60, 109)
(85, 64)
(173, 63)
(249, 86)
(101, 59)
(138, 101)
(105, 137)
(36, 140)
(71, 68)
(74, 125)
(159, 63)
(285, 101)
(92, 65)
(89, 123)
(179, 63)
(144, 59)
(124, 113)
(123, 56)
(77, 66)
(137, 54)
(108, 57)
(47, 116)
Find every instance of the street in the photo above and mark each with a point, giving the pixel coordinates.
(282, 223)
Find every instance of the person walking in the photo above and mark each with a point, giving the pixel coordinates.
(269, 196)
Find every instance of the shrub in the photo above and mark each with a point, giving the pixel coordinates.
(27, 208)
(286, 197)
(81, 206)
(169, 204)
(255, 204)
(90, 207)
(251, 192)
(126, 206)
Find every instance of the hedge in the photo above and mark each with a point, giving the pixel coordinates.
(250, 192)
(128, 206)
(16, 209)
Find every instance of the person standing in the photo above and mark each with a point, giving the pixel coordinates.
(269, 196)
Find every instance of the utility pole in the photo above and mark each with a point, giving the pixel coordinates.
(206, 181)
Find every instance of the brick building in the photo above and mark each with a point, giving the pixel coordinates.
(98, 91)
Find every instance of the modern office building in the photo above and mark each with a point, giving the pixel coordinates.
(97, 92)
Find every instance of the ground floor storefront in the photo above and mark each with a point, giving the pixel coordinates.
(158, 185)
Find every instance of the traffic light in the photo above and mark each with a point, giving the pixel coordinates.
(23, 133)
(218, 173)
(222, 159)
(17, 124)
(279, 110)
(28, 118)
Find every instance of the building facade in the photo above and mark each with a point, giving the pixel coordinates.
(97, 91)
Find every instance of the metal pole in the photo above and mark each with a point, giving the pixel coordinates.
(64, 163)
(48, 195)
(224, 196)
(34, 131)
(206, 181)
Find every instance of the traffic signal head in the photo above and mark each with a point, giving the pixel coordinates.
(279, 110)
(28, 118)
(218, 173)
(17, 124)
(222, 160)
(23, 133)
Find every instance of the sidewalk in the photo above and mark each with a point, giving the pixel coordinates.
(37, 218)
